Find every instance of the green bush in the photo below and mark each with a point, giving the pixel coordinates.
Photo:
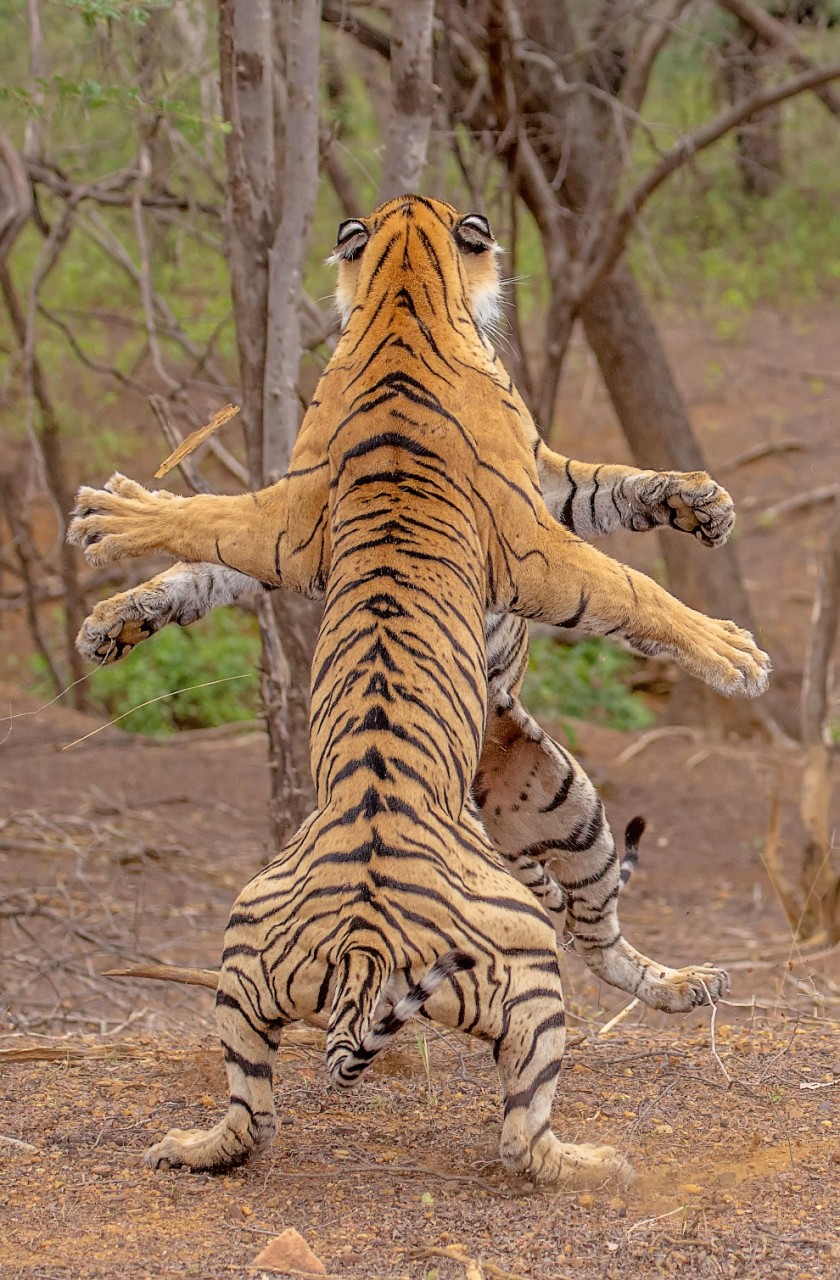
(222, 647)
(588, 681)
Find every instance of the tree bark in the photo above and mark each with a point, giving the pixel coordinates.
(245, 66)
(269, 211)
(818, 879)
(287, 255)
(412, 97)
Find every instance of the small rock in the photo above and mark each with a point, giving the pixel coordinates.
(290, 1252)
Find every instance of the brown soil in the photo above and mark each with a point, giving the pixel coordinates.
(119, 849)
(128, 852)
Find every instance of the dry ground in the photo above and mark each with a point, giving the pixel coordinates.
(129, 854)
(120, 849)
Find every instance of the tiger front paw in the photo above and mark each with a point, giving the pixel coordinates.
(123, 519)
(689, 501)
(121, 622)
(724, 656)
(742, 668)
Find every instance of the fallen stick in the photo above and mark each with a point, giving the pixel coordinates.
(27, 1146)
(168, 973)
(800, 502)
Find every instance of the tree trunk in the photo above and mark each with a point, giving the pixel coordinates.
(818, 880)
(652, 414)
(49, 440)
(268, 216)
(412, 98)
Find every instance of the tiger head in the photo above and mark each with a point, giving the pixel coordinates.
(419, 234)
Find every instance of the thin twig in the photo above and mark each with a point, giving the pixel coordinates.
(712, 1022)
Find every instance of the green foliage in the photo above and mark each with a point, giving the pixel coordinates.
(222, 647)
(93, 11)
(704, 237)
(588, 681)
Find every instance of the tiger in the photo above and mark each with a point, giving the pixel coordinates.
(412, 503)
(538, 805)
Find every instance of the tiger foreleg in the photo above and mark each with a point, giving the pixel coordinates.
(591, 500)
(566, 583)
(124, 520)
(182, 594)
(249, 1044)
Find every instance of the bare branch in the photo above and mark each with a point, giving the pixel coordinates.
(799, 502)
(339, 14)
(780, 36)
(15, 195)
(412, 98)
(174, 439)
(33, 144)
(112, 191)
(686, 149)
(339, 177)
(144, 167)
(661, 26)
(102, 234)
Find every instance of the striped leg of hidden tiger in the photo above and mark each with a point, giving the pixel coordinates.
(543, 813)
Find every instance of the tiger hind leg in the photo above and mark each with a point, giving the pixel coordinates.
(539, 807)
(250, 1043)
(528, 1055)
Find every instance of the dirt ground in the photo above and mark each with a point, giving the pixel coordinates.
(119, 850)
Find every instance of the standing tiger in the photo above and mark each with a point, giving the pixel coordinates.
(538, 806)
(413, 502)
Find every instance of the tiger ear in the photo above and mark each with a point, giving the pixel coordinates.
(352, 237)
(473, 234)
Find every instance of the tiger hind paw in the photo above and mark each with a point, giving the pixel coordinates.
(574, 1167)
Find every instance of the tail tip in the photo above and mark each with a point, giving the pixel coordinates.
(455, 962)
(634, 831)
